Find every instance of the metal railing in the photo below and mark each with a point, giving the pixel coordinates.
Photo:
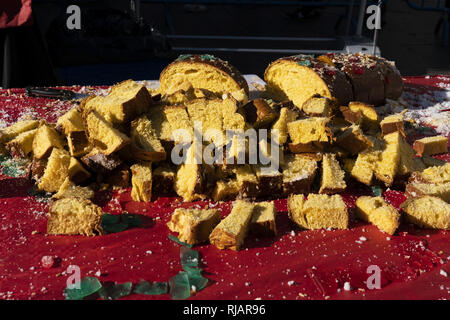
(349, 4)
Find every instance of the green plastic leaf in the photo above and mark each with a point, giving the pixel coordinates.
(155, 288)
(132, 220)
(112, 223)
(87, 286)
(377, 191)
(175, 239)
(208, 57)
(195, 277)
(110, 218)
(113, 228)
(179, 286)
(304, 63)
(188, 257)
(115, 291)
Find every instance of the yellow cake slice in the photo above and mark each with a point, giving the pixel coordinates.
(204, 71)
(145, 144)
(364, 167)
(72, 216)
(103, 135)
(22, 145)
(431, 145)
(141, 181)
(318, 211)
(69, 122)
(318, 106)
(287, 115)
(376, 211)
(427, 212)
(126, 100)
(388, 162)
(56, 171)
(231, 231)
(12, 131)
(45, 138)
(263, 219)
(332, 180)
(70, 190)
(370, 119)
(300, 77)
(309, 130)
(194, 225)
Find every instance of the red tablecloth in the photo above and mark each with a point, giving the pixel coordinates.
(294, 265)
(15, 13)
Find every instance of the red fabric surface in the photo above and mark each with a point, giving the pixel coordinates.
(294, 265)
(15, 13)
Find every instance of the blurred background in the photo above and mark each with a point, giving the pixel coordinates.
(42, 43)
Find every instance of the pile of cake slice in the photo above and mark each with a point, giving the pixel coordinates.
(325, 138)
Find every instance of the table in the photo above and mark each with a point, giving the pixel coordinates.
(294, 265)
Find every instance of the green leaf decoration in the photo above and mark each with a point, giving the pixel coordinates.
(188, 257)
(155, 288)
(132, 220)
(112, 223)
(87, 286)
(208, 57)
(180, 288)
(304, 63)
(115, 291)
(183, 57)
(175, 239)
(196, 279)
(377, 191)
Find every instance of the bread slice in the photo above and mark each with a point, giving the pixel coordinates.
(431, 145)
(388, 162)
(204, 71)
(318, 106)
(78, 143)
(103, 135)
(45, 138)
(353, 116)
(263, 219)
(318, 211)
(258, 113)
(56, 171)
(193, 225)
(73, 216)
(12, 131)
(332, 180)
(270, 181)
(309, 130)
(126, 100)
(70, 190)
(225, 190)
(184, 93)
(163, 179)
(427, 212)
(22, 145)
(208, 114)
(141, 181)
(145, 144)
(247, 182)
(178, 119)
(300, 77)
(69, 122)
(99, 162)
(393, 123)
(364, 167)
(287, 114)
(353, 140)
(418, 189)
(370, 119)
(376, 211)
(231, 231)
(299, 172)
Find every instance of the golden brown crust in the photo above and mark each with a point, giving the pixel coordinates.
(223, 240)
